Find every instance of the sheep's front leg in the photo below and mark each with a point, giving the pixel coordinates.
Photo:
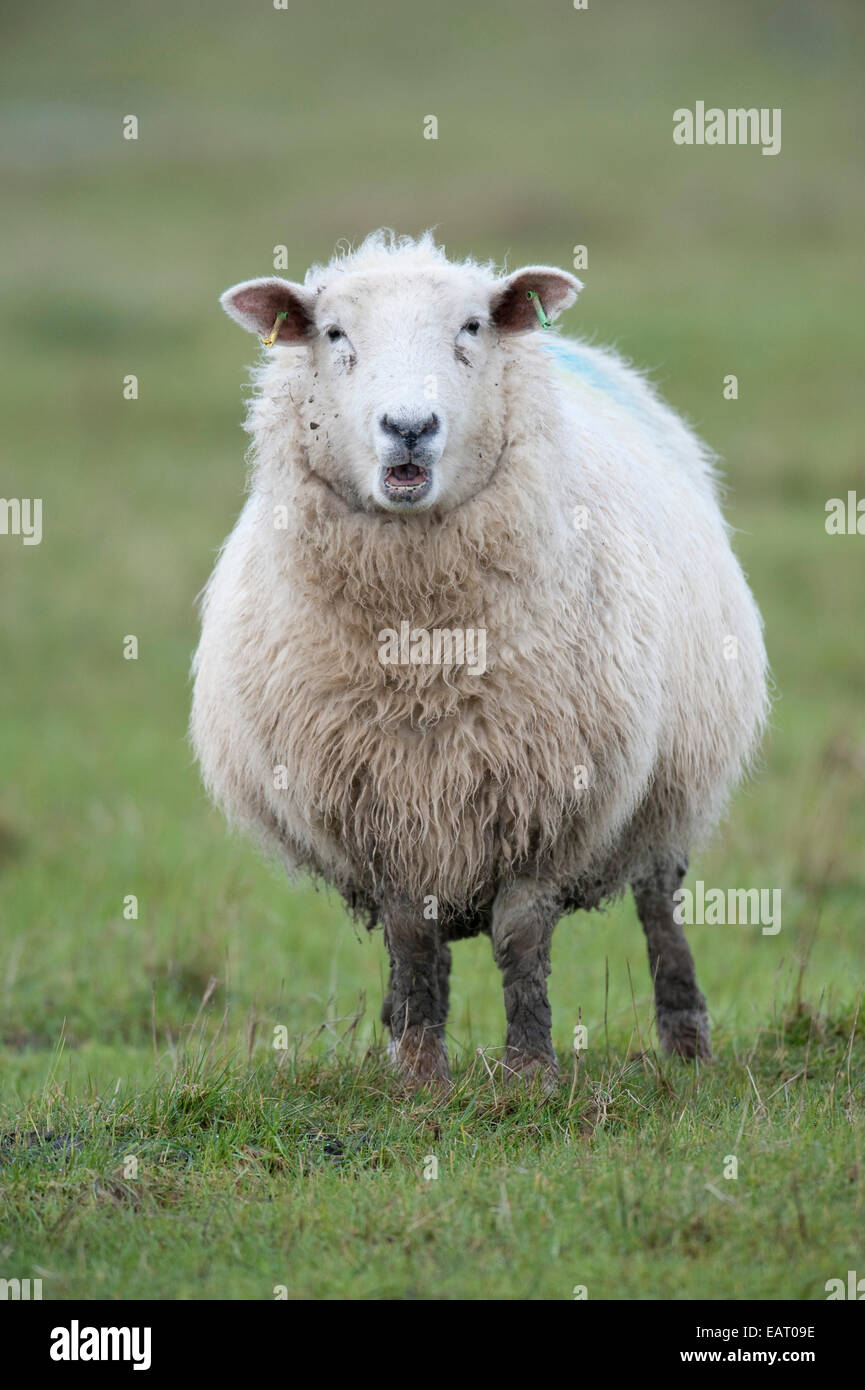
(524, 918)
(416, 1006)
(680, 1009)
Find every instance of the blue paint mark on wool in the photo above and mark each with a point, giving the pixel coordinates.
(568, 356)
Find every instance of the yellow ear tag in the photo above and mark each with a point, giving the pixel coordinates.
(271, 339)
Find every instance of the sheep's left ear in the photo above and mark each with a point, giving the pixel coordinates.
(514, 300)
(260, 306)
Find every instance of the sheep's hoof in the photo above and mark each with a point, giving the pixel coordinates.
(421, 1059)
(530, 1070)
(685, 1033)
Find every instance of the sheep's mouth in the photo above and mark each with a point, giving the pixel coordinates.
(407, 482)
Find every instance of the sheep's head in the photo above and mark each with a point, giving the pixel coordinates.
(405, 355)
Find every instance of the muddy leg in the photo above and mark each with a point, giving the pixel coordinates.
(680, 1009)
(524, 917)
(415, 1009)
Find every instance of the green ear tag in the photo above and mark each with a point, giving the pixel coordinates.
(539, 309)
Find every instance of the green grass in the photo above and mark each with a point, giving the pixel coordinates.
(225, 1178)
(261, 128)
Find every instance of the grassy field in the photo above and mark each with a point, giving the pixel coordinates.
(151, 1039)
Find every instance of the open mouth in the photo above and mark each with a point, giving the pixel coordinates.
(406, 481)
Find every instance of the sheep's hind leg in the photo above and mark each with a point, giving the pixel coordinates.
(525, 914)
(680, 1008)
(416, 1006)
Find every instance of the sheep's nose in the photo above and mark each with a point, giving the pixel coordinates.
(410, 428)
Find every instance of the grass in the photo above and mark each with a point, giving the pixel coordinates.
(226, 1177)
(153, 1035)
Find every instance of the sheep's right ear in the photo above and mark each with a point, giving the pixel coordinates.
(260, 306)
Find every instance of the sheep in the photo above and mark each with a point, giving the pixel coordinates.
(430, 456)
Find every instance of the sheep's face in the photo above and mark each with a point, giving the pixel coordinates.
(407, 364)
(404, 372)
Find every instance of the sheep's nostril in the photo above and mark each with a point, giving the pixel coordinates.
(409, 430)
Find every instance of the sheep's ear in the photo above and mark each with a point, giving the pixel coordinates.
(257, 305)
(516, 298)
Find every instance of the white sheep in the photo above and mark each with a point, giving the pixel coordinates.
(429, 459)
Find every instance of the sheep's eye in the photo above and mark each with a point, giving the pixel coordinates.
(472, 326)
(335, 334)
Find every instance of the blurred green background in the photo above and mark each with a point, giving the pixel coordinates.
(261, 127)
